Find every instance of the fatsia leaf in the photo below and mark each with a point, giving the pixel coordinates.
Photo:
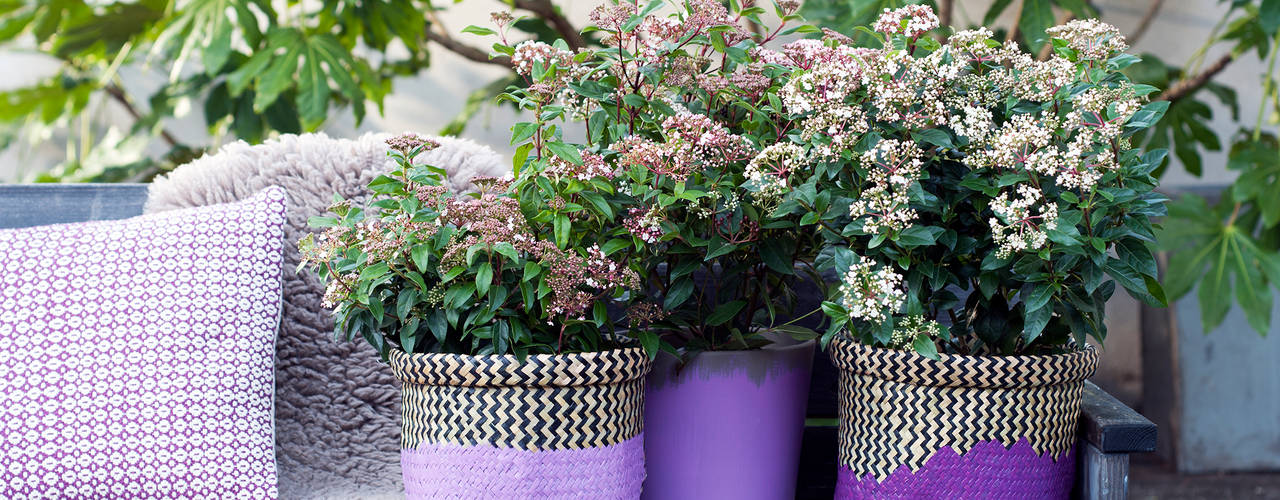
(1036, 17)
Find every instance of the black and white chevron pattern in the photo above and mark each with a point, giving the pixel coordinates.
(899, 408)
(588, 400)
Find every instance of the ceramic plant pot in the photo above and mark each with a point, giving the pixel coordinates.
(728, 424)
(556, 426)
(991, 427)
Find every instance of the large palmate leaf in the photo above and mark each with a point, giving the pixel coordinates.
(206, 27)
(1214, 248)
(1259, 164)
(312, 66)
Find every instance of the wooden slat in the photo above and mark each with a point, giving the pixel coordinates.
(1112, 427)
(25, 205)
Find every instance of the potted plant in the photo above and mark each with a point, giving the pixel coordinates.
(984, 203)
(493, 316)
(679, 113)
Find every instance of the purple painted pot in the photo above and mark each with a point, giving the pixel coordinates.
(960, 427)
(551, 427)
(728, 424)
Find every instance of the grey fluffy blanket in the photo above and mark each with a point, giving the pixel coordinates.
(337, 407)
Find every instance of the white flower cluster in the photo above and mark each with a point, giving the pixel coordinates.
(768, 172)
(1090, 38)
(975, 124)
(892, 167)
(1022, 223)
(910, 21)
(842, 124)
(529, 52)
(870, 294)
(906, 330)
(1040, 80)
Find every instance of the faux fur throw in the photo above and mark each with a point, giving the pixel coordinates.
(337, 406)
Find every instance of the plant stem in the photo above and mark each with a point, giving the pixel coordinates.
(1268, 85)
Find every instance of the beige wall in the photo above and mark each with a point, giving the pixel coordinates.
(430, 100)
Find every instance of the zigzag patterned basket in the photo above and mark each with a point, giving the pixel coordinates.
(991, 427)
(555, 426)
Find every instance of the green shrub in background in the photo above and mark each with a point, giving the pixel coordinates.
(1230, 248)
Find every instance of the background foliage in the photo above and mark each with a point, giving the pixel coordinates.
(252, 67)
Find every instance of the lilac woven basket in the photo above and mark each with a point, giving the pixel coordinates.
(555, 426)
(990, 427)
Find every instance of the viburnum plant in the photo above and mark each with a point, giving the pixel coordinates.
(424, 270)
(683, 125)
(982, 201)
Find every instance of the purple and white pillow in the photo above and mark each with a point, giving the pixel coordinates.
(136, 355)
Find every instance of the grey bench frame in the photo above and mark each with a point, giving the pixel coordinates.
(1109, 430)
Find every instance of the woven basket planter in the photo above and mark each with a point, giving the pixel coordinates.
(556, 426)
(992, 427)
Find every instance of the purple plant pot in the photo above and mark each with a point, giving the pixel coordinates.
(728, 424)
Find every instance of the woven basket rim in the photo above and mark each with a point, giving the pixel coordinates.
(611, 366)
(956, 370)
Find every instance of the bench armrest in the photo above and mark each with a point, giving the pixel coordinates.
(1112, 427)
(1109, 431)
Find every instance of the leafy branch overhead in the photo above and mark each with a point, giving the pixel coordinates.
(254, 68)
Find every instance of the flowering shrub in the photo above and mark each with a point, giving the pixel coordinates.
(688, 159)
(981, 201)
(426, 270)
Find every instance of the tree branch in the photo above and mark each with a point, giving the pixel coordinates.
(118, 94)
(945, 7)
(546, 10)
(1145, 23)
(465, 50)
(1188, 85)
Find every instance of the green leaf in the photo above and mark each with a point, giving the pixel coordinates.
(562, 228)
(531, 270)
(522, 131)
(438, 325)
(935, 136)
(1135, 253)
(278, 77)
(1038, 297)
(776, 255)
(1214, 294)
(649, 340)
(566, 152)
(408, 337)
(374, 271)
(478, 30)
(679, 292)
(1269, 17)
(1034, 322)
(614, 245)
(1036, 17)
(997, 7)
(925, 346)
(718, 247)
(484, 278)
(725, 312)
(405, 300)
(1134, 283)
(918, 236)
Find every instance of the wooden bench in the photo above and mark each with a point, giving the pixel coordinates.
(1109, 430)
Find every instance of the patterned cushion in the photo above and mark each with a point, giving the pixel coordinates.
(136, 355)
